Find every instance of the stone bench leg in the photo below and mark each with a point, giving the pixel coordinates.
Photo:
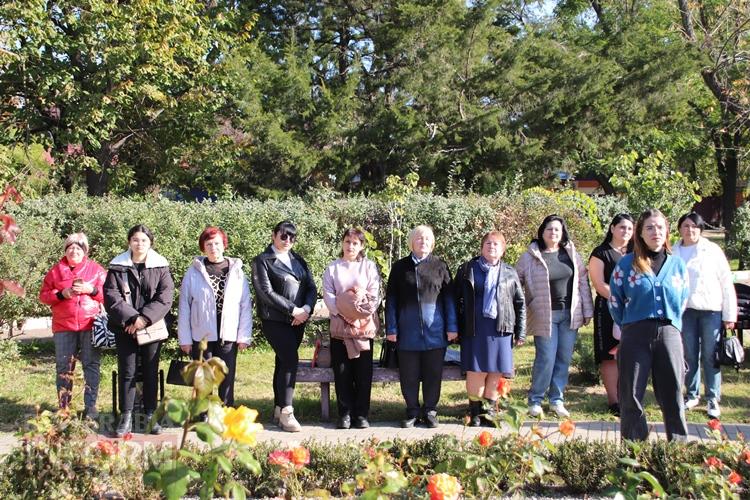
(325, 401)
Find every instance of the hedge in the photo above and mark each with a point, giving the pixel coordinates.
(458, 221)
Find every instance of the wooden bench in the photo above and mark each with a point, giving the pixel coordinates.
(324, 377)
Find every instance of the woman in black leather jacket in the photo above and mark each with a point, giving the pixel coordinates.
(491, 320)
(286, 294)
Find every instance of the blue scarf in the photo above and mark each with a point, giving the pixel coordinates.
(489, 300)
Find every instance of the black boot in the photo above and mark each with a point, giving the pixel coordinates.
(475, 409)
(125, 426)
(156, 428)
(489, 412)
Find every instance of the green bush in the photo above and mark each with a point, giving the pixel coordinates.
(584, 361)
(458, 221)
(584, 465)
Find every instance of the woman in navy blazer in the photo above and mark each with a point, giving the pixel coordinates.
(420, 317)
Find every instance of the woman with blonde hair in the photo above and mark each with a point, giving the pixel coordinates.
(649, 292)
(420, 317)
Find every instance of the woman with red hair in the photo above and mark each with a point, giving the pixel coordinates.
(215, 304)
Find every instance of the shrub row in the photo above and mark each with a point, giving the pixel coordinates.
(49, 466)
(459, 222)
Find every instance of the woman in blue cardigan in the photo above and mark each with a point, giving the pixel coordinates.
(649, 292)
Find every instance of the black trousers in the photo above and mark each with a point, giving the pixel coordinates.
(651, 348)
(425, 367)
(353, 379)
(128, 351)
(227, 352)
(285, 339)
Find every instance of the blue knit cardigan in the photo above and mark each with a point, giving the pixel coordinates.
(635, 296)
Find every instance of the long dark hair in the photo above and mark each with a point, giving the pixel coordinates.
(540, 232)
(140, 228)
(615, 221)
(641, 259)
(355, 232)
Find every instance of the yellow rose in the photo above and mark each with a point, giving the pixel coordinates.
(240, 425)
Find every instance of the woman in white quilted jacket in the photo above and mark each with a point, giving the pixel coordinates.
(712, 303)
(558, 303)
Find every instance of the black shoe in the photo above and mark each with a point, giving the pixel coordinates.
(344, 422)
(125, 426)
(361, 423)
(409, 422)
(614, 409)
(475, 408)
(156, 428)
(431, 420)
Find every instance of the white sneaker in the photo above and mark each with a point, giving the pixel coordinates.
(535, 411)
(287, 421)
(560, 410)
(691, 403)
(713, 409)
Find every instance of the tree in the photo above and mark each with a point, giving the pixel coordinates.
(719, 36)
(103, 83)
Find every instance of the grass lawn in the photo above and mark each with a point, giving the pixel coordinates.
(29, 382)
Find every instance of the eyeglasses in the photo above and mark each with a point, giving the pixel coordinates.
(287, 236)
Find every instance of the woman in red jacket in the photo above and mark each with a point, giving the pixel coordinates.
(73, 289)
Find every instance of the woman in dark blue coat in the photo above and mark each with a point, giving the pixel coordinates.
(420, 317)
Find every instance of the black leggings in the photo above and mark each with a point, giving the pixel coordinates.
(285, 339)
(353, 379)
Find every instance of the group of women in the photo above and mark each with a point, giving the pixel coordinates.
(641, 324)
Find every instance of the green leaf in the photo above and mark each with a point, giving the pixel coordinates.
(152, 478)
(236, 490)
(224, 463)
(629, 461)
(174, 479)
(177, 411)
(205, 432)
(246, 459)
(658, 489)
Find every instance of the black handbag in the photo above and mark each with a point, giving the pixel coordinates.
(388, 355)
(174, 375)
(729, 351)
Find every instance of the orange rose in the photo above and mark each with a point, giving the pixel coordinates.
(567, 427)
(443, 487)
(107, 447)
(745, 456)
(734, 478)
(300, 456)
(713, 462)
(485, 439)
(714, 424)
(503, 387)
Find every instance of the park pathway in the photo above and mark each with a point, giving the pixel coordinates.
(382, 431)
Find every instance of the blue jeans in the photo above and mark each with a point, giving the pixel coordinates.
(700, 335)
(552, 360)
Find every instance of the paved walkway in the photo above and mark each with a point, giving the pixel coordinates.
(594, 430)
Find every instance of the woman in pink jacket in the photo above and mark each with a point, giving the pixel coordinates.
(558, 303)
(73, 289)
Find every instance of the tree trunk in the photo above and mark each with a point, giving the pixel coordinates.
(97, 181)
(726, 144)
